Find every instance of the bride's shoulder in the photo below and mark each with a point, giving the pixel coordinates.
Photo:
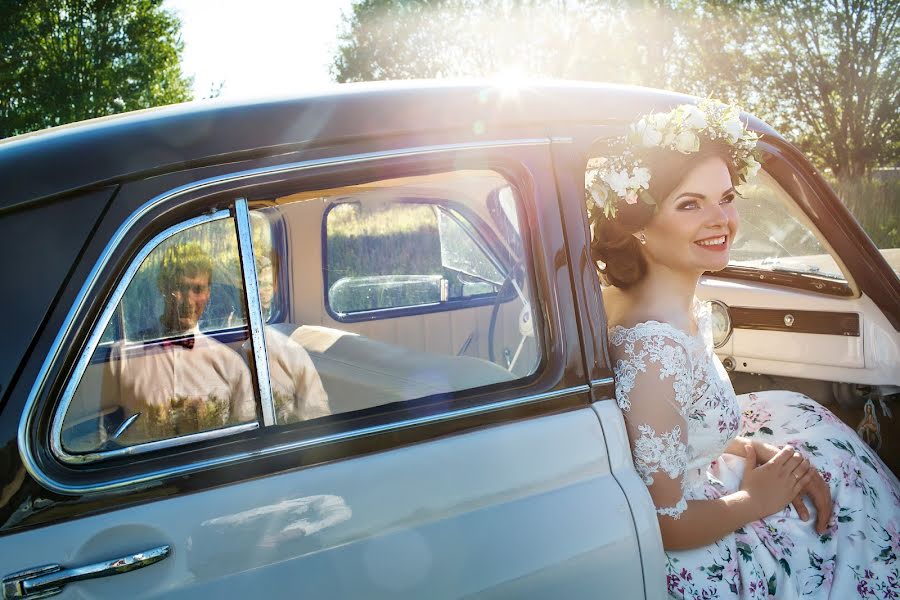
(630, 320)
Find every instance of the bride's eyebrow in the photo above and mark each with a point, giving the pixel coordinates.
(701, 196)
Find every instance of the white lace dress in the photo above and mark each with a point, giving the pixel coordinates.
(681, 412)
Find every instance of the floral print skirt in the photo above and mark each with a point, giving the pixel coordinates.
(782, 556)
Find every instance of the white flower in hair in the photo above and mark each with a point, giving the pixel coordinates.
(599, 194)
(640, 178)
(734, 128)
(618, 182)
(687, 142)
(660, 121)
(694, 117)
(649, 135)
(751, 167)
(682, 129)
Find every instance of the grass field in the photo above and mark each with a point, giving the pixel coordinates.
(875, 202)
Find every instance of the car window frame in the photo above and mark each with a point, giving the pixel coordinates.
(446, 411)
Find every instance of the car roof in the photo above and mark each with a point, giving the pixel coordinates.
(63, 159)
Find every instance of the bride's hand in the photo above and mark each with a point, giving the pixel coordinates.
(776, 483)
(764, 452)
(816, 489)
(820, 494)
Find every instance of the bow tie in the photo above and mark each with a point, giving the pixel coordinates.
(186, 342)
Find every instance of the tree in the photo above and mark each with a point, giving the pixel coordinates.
(68, 60)
(839, 63)
(826, 74)
(404, 39)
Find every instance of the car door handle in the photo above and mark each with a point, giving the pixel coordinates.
(47, 580)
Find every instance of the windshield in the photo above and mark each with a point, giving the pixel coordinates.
(774, 236)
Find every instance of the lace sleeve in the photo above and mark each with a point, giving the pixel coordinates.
(653, 384)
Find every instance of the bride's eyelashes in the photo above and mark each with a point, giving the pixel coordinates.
(693, 204)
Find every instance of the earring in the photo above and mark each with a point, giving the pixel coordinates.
(643, 238)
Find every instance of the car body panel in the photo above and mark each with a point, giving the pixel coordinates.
(489, 513)
(39, 245)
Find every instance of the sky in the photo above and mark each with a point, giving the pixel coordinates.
(260, 47)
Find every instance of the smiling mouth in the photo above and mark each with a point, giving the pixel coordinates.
(716, 243)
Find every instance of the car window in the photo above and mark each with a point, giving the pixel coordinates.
(774, 235)
(397, 289)
(403, 254)
(173, 363)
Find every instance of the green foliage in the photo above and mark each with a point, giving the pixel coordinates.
(68, 60)
(827, 74)
(875, 202)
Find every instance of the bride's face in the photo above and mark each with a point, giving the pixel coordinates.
(695, 225)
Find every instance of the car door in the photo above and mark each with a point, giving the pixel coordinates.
(477, 480)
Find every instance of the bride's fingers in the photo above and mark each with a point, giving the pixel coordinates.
(801, 483)
(783, 455)
(801, 469)
(800, 507)
(794, 461)
(820, 494)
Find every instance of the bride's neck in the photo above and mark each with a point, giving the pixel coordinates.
(664, 291)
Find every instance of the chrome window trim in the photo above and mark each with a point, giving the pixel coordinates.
(602, 382)
(24, 433)
(219, 461)
(173, 442)
(84, 360)
(257, 323)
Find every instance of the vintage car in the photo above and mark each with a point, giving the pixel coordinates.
(402, 345)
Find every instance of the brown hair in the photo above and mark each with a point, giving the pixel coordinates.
(612, 242)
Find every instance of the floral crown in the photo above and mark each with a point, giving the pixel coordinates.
(610, 180)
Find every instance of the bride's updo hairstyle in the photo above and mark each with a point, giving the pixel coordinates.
(612, 242)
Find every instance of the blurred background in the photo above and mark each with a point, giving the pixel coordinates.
(825, 73)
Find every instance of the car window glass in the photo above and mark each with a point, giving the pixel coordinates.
(382, 255)
(773, 234)
(173, 363)
(261, 231)
(385, 308)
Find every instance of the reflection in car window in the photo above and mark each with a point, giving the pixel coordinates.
(382, 256)
(174, 366)
(442, 304)
(773, 235)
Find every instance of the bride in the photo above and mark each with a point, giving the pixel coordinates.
(801, 508)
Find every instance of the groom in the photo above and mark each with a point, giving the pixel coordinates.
(180, 381)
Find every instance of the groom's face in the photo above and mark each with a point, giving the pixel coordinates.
(696, 224)
(185, 302)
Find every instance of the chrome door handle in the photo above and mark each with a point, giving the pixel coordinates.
(47, 580)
